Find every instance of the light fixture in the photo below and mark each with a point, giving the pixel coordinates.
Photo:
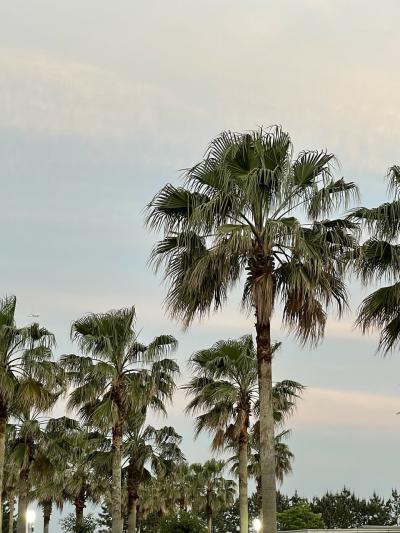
(257, 524)
(30, 516)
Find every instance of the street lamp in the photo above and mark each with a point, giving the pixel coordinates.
(30, 520)
(257, 524)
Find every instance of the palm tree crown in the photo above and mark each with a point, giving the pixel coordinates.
(379, 258)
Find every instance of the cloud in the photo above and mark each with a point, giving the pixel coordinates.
(46, 94)
(332, 408)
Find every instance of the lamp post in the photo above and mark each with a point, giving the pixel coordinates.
(257, 524)
(30, 520)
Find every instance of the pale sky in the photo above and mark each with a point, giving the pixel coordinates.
(102, 102)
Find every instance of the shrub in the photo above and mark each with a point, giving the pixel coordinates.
(299, 517)
(183, 523)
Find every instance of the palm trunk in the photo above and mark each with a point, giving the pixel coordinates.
(3, 424)
(132, 513)
(22, 500)
(133, 497)
(139, 518)
(116, 479)
(209, 520)
(258, 493)
(243, 496)
(261, 267)
(80, 504)
(47, 508)
(267, 444)
(11, 507)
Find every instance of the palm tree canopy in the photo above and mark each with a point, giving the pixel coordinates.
(147, 448)
(236, 212)
(27, 373)
(117, 374)
(378, 258)
(224, 390)
(214, 491)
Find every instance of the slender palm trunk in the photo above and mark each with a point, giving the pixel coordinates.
(3, 424)
(22, 500)
(80, 504)
(209, 520)
(258, 493)
(132, 499)
(139, 518)
(11, 508)
(243, 496)
(267, 444)
(132, 513)
(116, 479)
(47, 508)
(261, 267)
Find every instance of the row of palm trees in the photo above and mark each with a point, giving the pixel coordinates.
(248, 213)
(251, 213)
(109, 452)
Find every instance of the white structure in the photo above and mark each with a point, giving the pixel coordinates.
(364, 529)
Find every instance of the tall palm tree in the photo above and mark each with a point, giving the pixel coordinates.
(225, 392)
(147, 449)
(214, 491)
(25, 354)
(378, 258)
(236, 214)
(113, 376)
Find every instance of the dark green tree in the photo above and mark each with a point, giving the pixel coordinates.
(69, 525)
(299, 517)
(183, 523)
(340, 510)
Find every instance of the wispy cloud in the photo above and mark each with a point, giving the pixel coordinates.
(338, 408)
(48, 94)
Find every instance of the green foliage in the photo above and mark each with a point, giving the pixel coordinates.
(299, 517)
(183, 523)
(6, 519)
(68, 524)
(104, 520)
(228, 520)
(344, 510)
(378, 259)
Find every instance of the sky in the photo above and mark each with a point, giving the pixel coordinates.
(103, 102)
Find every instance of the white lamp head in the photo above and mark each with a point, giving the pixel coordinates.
(257, 524)
(30, 516)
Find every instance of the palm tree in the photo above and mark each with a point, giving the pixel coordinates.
(25, 355)
(81, 460)
(147, 449)
(24, 452)
(214, 492)
(225, 391)
(379, 258)
(112, 378)
(51, 467)
(237, 214)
